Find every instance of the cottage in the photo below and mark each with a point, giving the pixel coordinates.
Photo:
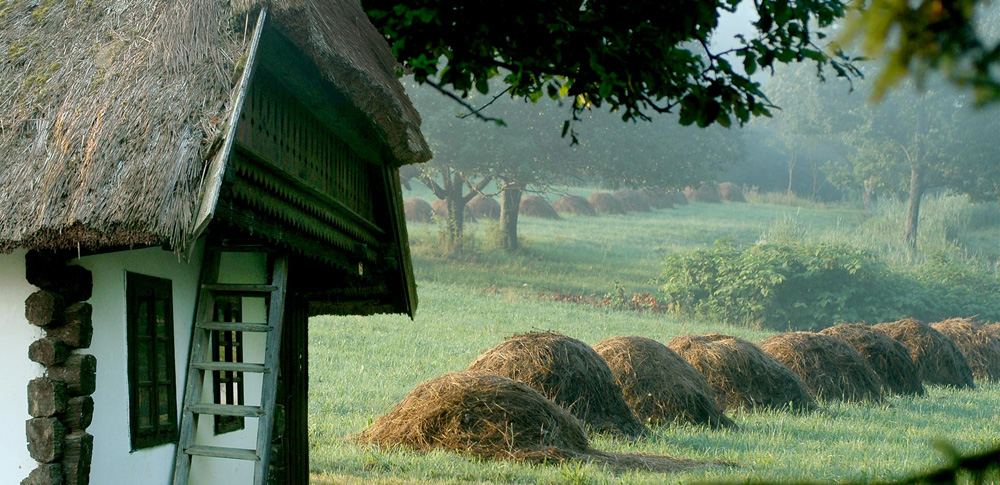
(182, 184)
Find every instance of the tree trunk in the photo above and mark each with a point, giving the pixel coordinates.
(456, 220)
(792, 161)
(917, 188)
(866, 196)
(509, 205)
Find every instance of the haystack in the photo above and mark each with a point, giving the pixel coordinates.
(659, 385)
(742, 375)
(418, 210)
(677, 197)
(633, 200)
(441, 211)
(536, 206)
(731, 192)
(981, 350)
(568, 372)
(993, 329)
(482, 207)
(831, 368)
(937, 357)
(708, 193)
(605, 203)
(890, 360)
(574, 204)
(496, 418)
(658, 198)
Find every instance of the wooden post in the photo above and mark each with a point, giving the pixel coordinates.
(77, 329)
(78, 456)
(44, 308)
(47, 397)
(48, 351)
(79, 373)
(46, 438)
(79, 413)
(46, 474)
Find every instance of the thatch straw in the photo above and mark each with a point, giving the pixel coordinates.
(831, 368)
(496, 418)
(731, 192)
(482, 207)
(633, 200)
(704, 193)
(567, 371)
(979, 347)
(440, 207)
(659, 385)
(658, 198)
(574, 204)
(418, 210)
(937, 357)
(106, 130)
(536, 206)
(742, 375)
(888, 358)
(605, 203)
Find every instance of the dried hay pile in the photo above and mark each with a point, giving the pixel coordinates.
(889, 358)
(731, 192)
(496, 418)
(418, 210)
(568, 372)
(440, 207)
(659, 385)
(708, 193)
(536, 206)
(831, 368)
(605, 203)
(658, 198)
(981, 350)
(937, 358)
(993, 329)
(574, 204)
(633, 200)
(677, 197)
(741, 375)
(482, 207)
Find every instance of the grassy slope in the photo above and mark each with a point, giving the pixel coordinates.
(360, 367)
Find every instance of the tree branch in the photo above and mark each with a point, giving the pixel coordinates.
(472, 110)
(481, 108)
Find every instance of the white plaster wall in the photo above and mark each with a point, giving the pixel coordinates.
(114, 462)
(18, 334)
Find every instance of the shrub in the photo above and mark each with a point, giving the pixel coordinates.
(785, 285)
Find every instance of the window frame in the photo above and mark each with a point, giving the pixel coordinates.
(157, 293)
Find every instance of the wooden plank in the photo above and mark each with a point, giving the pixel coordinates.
(226, 410)
(235, 327)
(269, 391)
(229, 288)
(232, 367)
(220, 452)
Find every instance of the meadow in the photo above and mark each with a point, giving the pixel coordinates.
(360, 367)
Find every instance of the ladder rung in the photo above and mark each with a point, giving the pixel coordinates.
(220, 452)
(235, 326)
(241, 289)
(226, 410)
(231, 367)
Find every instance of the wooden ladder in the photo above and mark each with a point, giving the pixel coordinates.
(201, 363)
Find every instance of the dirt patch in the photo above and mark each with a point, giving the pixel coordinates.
(568, 372)
(741, 375)
(659, 385)
(418, 210)
(536, 206)
(731, 192)
(980, 348)
(633, 200)
(708, 193)
(831, 368)
(889, 358)
(482, 207)
(574, 204)
(937, 357)
(605, 203)
(496, 418)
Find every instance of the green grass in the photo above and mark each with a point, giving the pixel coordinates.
(361, 367)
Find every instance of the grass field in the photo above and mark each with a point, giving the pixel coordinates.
(361, 367)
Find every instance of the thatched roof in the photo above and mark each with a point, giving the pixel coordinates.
(111, 109)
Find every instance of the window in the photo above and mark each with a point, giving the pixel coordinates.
(151, 378)
(227, 346)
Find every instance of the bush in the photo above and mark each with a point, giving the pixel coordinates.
(786, 285)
